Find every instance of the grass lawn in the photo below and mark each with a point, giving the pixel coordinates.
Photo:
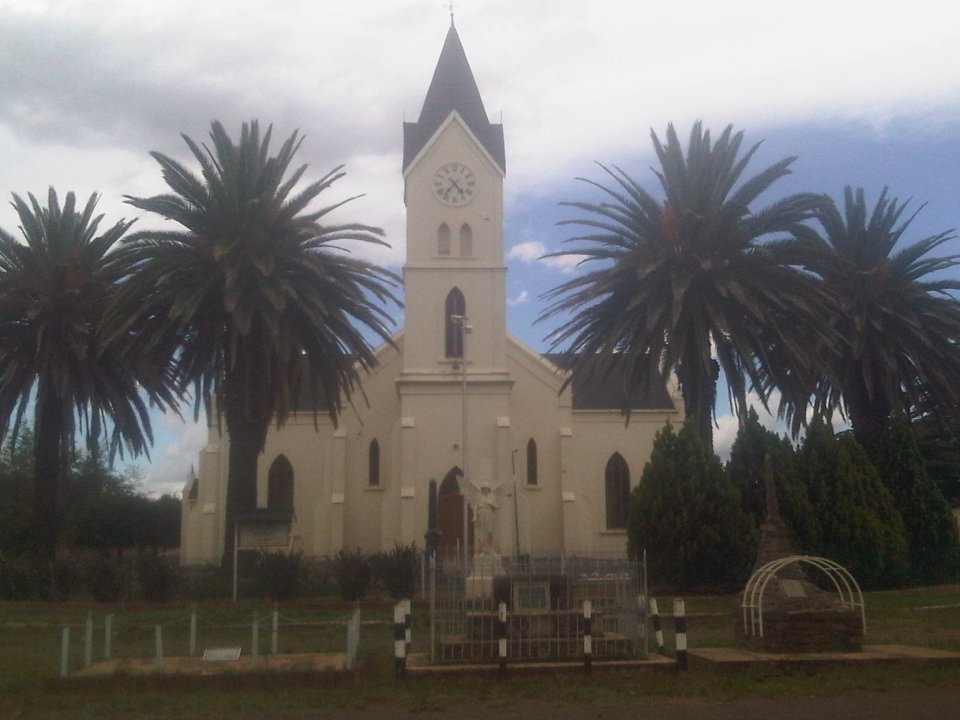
(30, 636)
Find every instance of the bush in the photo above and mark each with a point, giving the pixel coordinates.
(354, 572)
(23, 579)
(928, 523)
(107, 579)
(280, 575)
(860, 526)
(398, 570)
(687, 514)
(157, 578)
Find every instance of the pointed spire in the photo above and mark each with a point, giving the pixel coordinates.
(453, 88)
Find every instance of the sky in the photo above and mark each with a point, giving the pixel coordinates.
(863, 93)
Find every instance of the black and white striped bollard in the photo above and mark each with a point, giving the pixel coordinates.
(680, 626)
(407, 627)
(399, 642)
(587, 636)
(502, 636)
(657, 627)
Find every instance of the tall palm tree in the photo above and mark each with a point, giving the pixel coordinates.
(685, 283)
(253, 297)
(896, 311)
(54, 359)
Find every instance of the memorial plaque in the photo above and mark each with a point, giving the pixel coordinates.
(264, 535)
(221, 654)
(793, 588)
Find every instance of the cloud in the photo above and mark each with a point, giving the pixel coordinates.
(522, 297)
(174, 455)
(533, 251)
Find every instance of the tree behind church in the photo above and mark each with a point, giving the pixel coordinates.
(55, 361)
(679, 281)
(253, 297)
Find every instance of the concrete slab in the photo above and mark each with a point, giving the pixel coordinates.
(420, 664)
(195, 665)
(740, 657)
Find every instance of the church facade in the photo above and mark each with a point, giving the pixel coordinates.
(522, 462)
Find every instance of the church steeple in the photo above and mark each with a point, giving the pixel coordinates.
(453, 88)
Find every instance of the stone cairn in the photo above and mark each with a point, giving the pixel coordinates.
(798, 616)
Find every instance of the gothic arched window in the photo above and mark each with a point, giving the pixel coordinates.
(455, 307)
(373, 464)
(617, 485)
(532, 478)
(466, 241)
(443, 240)
(280, 484)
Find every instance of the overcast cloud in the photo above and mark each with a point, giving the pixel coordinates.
(89, 87)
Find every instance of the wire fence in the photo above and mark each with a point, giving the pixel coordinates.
(211, 634)
(551, 605)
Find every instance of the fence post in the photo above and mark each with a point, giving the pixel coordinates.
(353, 639)
(193, 632)
(88, 641)
(399, 643)
(158, 641)
(502, 636)
(587, 636)
(657, 627)
(64, 652)
(275, 621)
(680, 625)
(433, 607)
(108, 637)
(255, 641)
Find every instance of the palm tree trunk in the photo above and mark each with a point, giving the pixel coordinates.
(247, 411)
(699, 396)
(246, 441)
(48, 467)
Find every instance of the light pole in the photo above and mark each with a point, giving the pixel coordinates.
(465, 329)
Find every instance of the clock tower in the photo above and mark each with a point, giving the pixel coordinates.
(453, 168)
(454, 384)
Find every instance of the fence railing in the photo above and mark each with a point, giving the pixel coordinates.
(545, 601)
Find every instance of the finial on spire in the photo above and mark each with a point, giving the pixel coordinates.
(451, 13)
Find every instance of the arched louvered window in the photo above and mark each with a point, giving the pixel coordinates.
(443, 240)
(455, 307)
(373, 464)
(466, 241)
(280, 484)
(532, 478)
(617, 484)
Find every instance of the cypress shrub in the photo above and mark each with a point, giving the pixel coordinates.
(860, 526)
(928, 523)
(745, 469)
(687, 515)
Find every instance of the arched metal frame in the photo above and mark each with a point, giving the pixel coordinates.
(845, 584)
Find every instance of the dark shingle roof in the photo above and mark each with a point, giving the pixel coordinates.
(453, 88)
(605, 386)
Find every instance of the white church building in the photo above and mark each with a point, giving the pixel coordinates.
(456, 400)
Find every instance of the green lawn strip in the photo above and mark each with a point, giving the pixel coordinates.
(30, 646)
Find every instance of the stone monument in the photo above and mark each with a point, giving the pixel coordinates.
(797, 615)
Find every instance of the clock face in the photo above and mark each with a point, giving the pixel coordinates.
(454, 184)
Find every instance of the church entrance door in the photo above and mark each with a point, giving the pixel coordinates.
(450, 516)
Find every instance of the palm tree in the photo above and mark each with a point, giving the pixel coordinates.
(253, 297)
(686, 279)
(54, 359)
(895, 311)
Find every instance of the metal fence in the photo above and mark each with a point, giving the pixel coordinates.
(544, 598)
(256, 634)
